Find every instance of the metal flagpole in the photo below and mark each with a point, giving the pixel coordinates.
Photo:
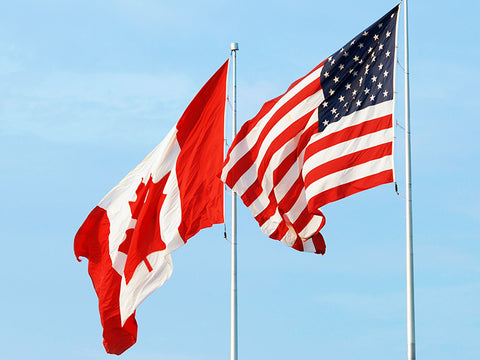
(408, 200)
(233, 295)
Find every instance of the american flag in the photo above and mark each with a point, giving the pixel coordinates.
(330, 135)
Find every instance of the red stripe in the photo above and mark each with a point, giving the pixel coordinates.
(298, 244)
(350, 188)
(319, 243)
(305, 137)
(348, 161)
(252, 193)
(349, 133)
(280, 232)
(292, 195)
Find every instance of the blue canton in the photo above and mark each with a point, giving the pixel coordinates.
(361, 73)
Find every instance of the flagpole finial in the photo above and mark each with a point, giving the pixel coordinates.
(234, 46)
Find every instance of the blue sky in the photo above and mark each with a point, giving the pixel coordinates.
(89, 88)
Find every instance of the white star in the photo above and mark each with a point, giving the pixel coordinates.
(333, 111)
(367, 70)
(341, 66)
(385, 93)
(379, 85)
(332, 62)
(326, 74)
(348, 86)
(330, 58)
(360, 45)
(370, 50)
(380, 67)
(353, 42)
(372, 98)
(380, 47)
(375, 37)
(374, 78)
(385, 73)
(361, 61)
(350, 71)
(361, 80)
(336, 115)
(325, 122)
(387, 54)
(366, 91)
(374, 58)
(342, 50)
(325, 104)
(341, 98)
(380, 25)
(365, 33)
(354, 93)
(388, 34)
(336, 79)
(345, 105)
(345, 53)
(331, 92)
(355, 73)
(356, 58)
(358, 103)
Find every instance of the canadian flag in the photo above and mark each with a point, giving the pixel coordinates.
(169, 197)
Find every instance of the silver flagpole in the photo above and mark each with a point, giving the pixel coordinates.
(233, 295)
(408, 200)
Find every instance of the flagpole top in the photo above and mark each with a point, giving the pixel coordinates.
(234, 46)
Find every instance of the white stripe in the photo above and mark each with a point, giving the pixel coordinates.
(289, 238)
(272, 223)
(312, 227)
(345, 148)
(245, 181)
(348, 175)
(308, 246)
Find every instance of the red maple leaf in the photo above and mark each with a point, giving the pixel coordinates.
(145, 237)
